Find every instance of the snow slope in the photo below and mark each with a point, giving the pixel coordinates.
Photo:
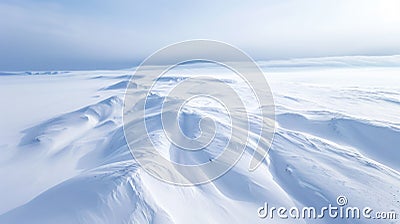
(64, 159)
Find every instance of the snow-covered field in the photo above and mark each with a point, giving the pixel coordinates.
(64, 159)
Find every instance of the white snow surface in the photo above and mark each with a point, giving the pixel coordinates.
(64, 158)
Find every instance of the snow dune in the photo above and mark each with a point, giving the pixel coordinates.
(64, 159)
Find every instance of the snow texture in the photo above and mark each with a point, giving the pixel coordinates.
(64, 159)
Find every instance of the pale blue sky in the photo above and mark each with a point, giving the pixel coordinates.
(98, 34)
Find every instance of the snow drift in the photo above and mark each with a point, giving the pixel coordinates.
(64, 159)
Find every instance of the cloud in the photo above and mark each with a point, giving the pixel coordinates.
(110, 34)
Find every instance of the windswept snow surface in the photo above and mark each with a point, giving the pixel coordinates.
(64, 159)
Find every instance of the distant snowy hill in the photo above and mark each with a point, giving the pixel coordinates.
(64, 158)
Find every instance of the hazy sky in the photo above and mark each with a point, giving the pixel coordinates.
(97, 34)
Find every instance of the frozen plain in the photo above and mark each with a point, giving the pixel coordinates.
(64, 159)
